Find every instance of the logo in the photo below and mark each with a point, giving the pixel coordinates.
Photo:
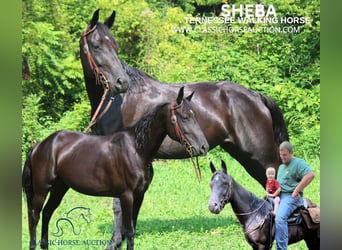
(74, 219)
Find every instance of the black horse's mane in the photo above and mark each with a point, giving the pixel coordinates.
(259, 207)
(143, 127)
(138, 78)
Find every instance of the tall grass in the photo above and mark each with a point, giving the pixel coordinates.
(174, 214)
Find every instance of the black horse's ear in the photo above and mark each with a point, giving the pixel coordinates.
(212, 167)
(180, 95)
(95, 18)
(190, 96)
(224, 167)
(110, 20)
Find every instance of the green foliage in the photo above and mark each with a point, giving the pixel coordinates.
(284, 66)
(31, 122)
(54, 75)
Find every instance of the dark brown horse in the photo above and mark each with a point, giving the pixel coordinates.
(246, 124)
(253, 213)
(117, 165)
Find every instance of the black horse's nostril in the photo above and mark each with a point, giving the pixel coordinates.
(119, 81)
(204, 149)
(123, 82)
(214, 208)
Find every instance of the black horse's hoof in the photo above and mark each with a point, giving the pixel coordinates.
(114, 246)
(32, 244)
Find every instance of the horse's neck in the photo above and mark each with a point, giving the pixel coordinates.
(243, 202)
(153, 136)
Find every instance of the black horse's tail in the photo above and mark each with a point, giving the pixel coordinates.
(27, 180)
(279, 126)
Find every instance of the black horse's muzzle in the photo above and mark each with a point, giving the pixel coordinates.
(215, 207)
(121, 85)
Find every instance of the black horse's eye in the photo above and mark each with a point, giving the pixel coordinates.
(96, 46)
(187, 114)
(186, 117)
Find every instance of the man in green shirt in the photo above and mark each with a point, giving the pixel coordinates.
(294, 175)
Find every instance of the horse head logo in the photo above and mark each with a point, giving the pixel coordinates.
(73, 219)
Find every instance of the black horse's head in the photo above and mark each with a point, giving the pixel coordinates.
(221, 186)
(98, 52)
(184, 127)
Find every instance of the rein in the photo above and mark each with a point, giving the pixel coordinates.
(184, 141)
(254, 211)
(100, 77)
(226, 200)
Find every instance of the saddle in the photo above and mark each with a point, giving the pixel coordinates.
(311, 215)
(310, 212)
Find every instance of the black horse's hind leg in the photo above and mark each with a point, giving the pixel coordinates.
(34, 215)
(312, 239)
(57, 192)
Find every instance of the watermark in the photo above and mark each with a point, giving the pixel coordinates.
(73, 221)
(80, 243)
(242, 29)
(243, 18)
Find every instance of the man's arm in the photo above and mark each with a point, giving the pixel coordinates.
(303, 183)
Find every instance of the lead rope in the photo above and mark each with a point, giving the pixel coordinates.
(185, 142)
(96, 117)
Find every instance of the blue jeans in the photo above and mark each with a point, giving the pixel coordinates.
(286, 206)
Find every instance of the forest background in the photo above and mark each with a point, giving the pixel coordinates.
(284, 66)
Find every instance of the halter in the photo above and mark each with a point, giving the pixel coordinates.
(100, 77)
(226, 199)
(228, 193)
(182, 139)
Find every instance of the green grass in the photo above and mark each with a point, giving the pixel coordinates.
(174, 214)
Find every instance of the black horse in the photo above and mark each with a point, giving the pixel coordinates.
(101, 64)
(118, 165)
(253, 213)
(246, 124)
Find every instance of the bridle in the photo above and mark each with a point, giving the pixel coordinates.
(226, 200)
(226, 197)
(182, 139)
(100, 78)
(228, 194)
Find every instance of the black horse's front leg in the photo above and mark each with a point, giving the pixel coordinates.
(127, 201)
(118, 229)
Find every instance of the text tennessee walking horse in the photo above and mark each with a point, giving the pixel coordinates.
(117, 165)
(246, 124)
(253, 213)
